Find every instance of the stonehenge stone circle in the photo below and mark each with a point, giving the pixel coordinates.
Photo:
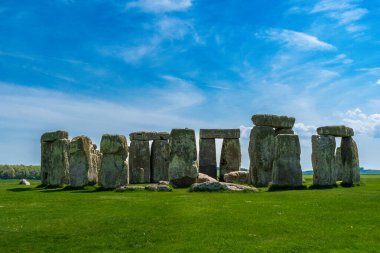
(82, 170)
(207, 157)
(261, 154)
(219, 133)
(338, 164)
(337, 131)
(183, 163)
(114, 166)
(323, 160)
(139, 157)
(230, 157)
(54, 158)
(148, 136)
(159, 161)
(350, 161)
(286, 166)
(273, 121)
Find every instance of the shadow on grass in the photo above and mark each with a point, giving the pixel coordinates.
(348, 185)
(20, 189)
(273, 188)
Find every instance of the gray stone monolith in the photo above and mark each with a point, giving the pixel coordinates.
(114, 165)
(286, 165)
(261, 155)
(183, 163)
(159, 160)
(207, 157)
(323, 160)
(284, 131)
(230, 157)
(338, 164)
(219, 133)
(350, 161)
(139, 157)
(337, 131)
(274, 121)
(54, 158)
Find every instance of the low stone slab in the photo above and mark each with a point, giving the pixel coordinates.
(273, 121)
(337, 131)
(53, 136)
(220, 186)
(158, 188)
(219, 133)
(130, 188)
(205, 178)
(238, 177)
(148, 136)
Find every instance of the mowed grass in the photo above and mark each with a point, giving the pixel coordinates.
(51, 220)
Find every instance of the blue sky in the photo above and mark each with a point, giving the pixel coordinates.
(94, 67)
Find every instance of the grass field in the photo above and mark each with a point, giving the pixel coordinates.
(51, 220)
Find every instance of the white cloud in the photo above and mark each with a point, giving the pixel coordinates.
(297, 40)
(371, 71)
(378, 82)
(362, 123)
(160, 6)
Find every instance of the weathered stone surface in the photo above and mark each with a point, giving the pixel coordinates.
(24, 182)
(323, 160)
(337, 131)
(273, 121)
(350, 161)
(237, 177)
(158, 187)
(205, 178)
(261, 155)
(81, 168)
(230, 157)
(159, 160)
(96, 158)
(148, 136)
(219, 133)
(283, 131)
(220, 186)
(338, 164)
(114, 166)
(286, 165)
(207, 157)
(54, 162)
(139, 157)
(164, 182)
(130, 188)
(53, 136)
(183, 164)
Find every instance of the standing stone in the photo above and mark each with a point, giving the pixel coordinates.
(54, 158)
(207, 157)
(81, 168)
(261, 155)
(183, 164)
(139, 157)
(114, 166)
(338, 164)
(323, 160)
(286, 165)
(230, 157)
(159, 161)
(350, 161)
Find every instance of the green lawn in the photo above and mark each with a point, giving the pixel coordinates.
(330, 220)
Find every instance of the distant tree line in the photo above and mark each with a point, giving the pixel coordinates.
(19, 172)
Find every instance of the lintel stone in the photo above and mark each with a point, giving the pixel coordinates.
(147, 136)
(219, 133)
(274, 121)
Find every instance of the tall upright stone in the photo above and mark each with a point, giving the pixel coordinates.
(82, 170)
(159, 161)
(286, 165)
(183, 163)
(350, 161)
(230, 157)
(338, 164)
(261, 155)
(54, 158)
(323, 160)
(139, 157)
(114, 165)
(207, 157)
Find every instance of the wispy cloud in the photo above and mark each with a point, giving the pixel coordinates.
(371, 71)
(363, 123)
(160, 6)
(378, 82)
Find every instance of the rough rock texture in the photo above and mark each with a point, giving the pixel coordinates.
(183, 164)
(24, 182)
(273, 121)
(159, 160)
(147, 136)
(207, 157)
(130, 188)
(139, 157)
(337, 131)
(338, 164)
(350, 161)
(158, 187)
(261, 155)
(323, 160)
(205, 178)
(230, 157)
(286, 165)
(96, 158)
(53, 136)
(284, 131)
(219, 133)
(220, 186)
(82, 171)
(164, 182)
(54, 159)
(238, 177)
(114, 166)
